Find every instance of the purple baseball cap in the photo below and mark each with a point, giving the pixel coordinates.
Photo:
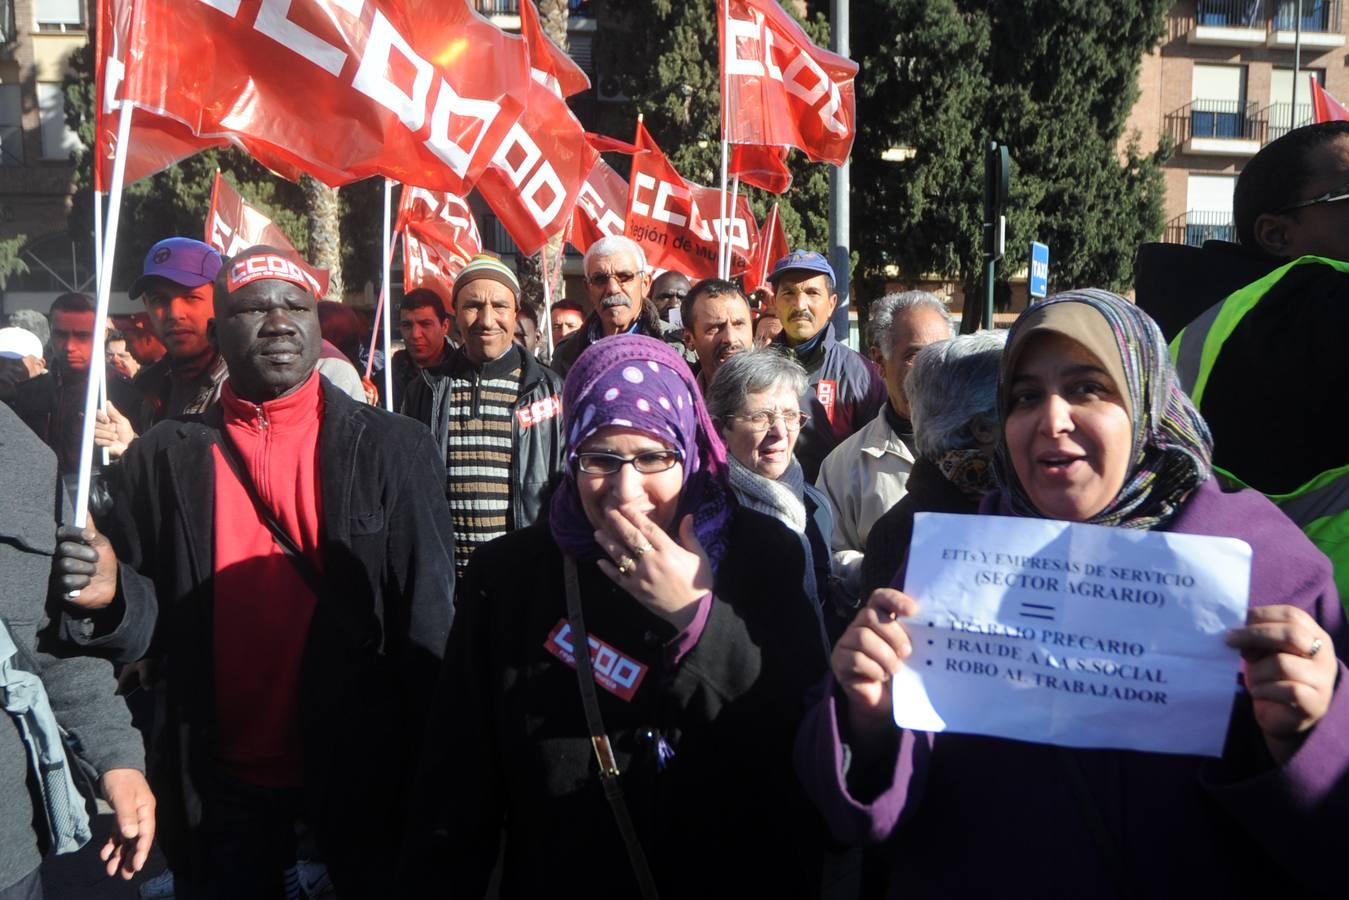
(801, 261)
(180, 260)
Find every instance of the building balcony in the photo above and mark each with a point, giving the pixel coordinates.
(1197, 226)
(1218, 128)
(1229, 23)
(1320, 25)
(1282, 118)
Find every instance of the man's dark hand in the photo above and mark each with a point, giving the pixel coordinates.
(84, 570)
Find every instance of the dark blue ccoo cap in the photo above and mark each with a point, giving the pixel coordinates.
(180, 260)
(801, 261)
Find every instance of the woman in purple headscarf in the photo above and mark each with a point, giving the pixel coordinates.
(702, 643)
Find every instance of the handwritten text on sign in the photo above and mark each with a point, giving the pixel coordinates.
(1075, 635)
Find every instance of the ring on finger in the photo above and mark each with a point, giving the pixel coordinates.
(643, 549)
(626, 565)
(1315, 648)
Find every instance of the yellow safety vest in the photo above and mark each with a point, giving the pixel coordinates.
(1321, 506)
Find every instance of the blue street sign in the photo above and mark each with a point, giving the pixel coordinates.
(1039, 269)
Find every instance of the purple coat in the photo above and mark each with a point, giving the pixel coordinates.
(968, 816)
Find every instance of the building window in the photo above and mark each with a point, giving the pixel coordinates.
(1282, 116)
(58, 141)
(1317, 15)
(59, 15)
(1208, 209)
(1218, 109)
(11, 126)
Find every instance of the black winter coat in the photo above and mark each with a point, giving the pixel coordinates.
(509, 746)
(374, 644)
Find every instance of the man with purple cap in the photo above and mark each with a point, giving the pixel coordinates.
(845, 391)
(176, 288)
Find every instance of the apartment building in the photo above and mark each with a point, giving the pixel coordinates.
(36, 40)
(1221, 85)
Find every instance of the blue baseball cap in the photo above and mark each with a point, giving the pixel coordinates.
(180, 260)
(801, 261)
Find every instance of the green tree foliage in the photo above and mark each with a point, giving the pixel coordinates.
(11, 263)
(175, 201)
(662, 55)
(1053, 79)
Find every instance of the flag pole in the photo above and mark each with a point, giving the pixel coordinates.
(547, 323)
(97, 352)
(98, 267)
(723, 253)
(387, 298)
(728, 223)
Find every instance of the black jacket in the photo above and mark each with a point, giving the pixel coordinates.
(509, 748)
(374, 643)
(537, 439)
(573, 345)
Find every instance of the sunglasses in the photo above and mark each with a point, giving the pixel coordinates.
(601, 279)
(1335, 196)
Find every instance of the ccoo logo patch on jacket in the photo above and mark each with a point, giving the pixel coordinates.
(539, 411)
(826, 391)
(618, 674)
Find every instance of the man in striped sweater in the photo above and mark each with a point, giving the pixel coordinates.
(495, 411)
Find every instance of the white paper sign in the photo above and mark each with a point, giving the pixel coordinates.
(1075, 635)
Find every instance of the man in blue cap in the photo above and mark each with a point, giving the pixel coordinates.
(176, 288)
(845, 391)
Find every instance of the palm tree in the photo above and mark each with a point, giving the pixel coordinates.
(325, 232)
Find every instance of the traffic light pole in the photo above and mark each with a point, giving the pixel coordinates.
(997, 180)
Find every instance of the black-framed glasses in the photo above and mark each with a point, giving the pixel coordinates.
(648, 463)
(601, 279)
(1334, 196)
(763, 419)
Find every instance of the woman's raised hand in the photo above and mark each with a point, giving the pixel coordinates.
(867, 657)
(1290, 667)
(668, 576)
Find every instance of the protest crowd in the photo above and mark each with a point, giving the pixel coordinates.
(318, 632)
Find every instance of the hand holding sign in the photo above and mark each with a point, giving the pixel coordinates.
(1290, 667)
(868, 656)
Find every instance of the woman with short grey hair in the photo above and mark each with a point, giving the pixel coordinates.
(754, 401)
(953, 395)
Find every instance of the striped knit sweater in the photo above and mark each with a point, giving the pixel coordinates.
(478, 461)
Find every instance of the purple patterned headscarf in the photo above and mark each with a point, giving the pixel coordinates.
(637, 382)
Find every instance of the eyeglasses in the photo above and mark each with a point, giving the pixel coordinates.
(601, 279)
(648, 463)
(1335, 196)
(763, 419)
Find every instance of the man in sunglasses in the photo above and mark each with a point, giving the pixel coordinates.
(1266, 364)
(617, 282)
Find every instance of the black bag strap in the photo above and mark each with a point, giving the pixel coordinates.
(308, 571)
(599, 741)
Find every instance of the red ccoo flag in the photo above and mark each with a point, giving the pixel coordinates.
(778, 88)
(549, 63)
(763, 167)
(440, 236)
(156, 142)
(1326, 108)
(420, 91)
(772, 247)
(601, 207)
(676, 221)
(233, 225)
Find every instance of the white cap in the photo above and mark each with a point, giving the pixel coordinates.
(16, 343)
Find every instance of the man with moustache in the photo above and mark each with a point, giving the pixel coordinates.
(716, 321)
(617, 281)
(304, 581)
(845, 391)
(495, 412)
